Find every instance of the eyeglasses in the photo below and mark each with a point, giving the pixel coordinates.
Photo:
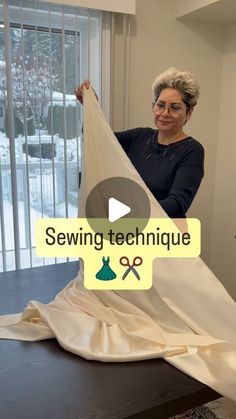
(173, 109)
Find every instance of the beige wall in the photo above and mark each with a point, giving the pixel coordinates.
(158, 41)
(223, 246)
(186, 6)
(122, 6)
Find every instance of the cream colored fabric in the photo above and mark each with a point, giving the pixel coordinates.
(187, 317)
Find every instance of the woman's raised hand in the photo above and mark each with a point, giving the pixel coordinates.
(79, 90)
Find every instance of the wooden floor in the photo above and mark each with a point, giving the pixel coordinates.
(41, 380)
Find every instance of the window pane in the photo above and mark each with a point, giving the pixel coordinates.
(46, 64)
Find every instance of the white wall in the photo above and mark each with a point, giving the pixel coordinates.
(158, 41)
(223, 245)
(183, 7)
(122, 6)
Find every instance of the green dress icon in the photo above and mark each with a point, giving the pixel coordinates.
(105, 273)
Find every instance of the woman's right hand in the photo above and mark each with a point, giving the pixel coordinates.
(79, 90)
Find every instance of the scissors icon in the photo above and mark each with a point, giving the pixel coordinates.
(137, 261)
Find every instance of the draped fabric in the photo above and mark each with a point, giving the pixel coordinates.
(187, 317)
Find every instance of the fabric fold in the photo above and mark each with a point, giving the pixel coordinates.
(187, 317)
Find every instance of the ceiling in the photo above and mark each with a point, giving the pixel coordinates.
(222, 12)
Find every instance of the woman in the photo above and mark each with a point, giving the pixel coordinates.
(170, 162)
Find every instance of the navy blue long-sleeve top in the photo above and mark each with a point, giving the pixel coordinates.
(173, 172)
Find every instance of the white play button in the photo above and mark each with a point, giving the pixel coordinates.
(114, 198)
(116, 209)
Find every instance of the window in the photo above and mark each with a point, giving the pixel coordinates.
(45, 51)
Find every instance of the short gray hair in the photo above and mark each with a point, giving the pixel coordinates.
(183, 81)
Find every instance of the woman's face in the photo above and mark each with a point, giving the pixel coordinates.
(170, 111)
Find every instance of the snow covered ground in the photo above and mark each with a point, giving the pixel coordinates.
(41, 192)
(73, 147)
(24, 252)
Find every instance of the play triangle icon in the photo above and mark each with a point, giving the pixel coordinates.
(116, 209)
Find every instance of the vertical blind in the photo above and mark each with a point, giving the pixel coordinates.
(45, 51)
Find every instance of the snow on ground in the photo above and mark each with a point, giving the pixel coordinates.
(35, 190)
(73, 148)
(25, 251)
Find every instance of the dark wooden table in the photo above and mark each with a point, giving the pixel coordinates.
(40, 380)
